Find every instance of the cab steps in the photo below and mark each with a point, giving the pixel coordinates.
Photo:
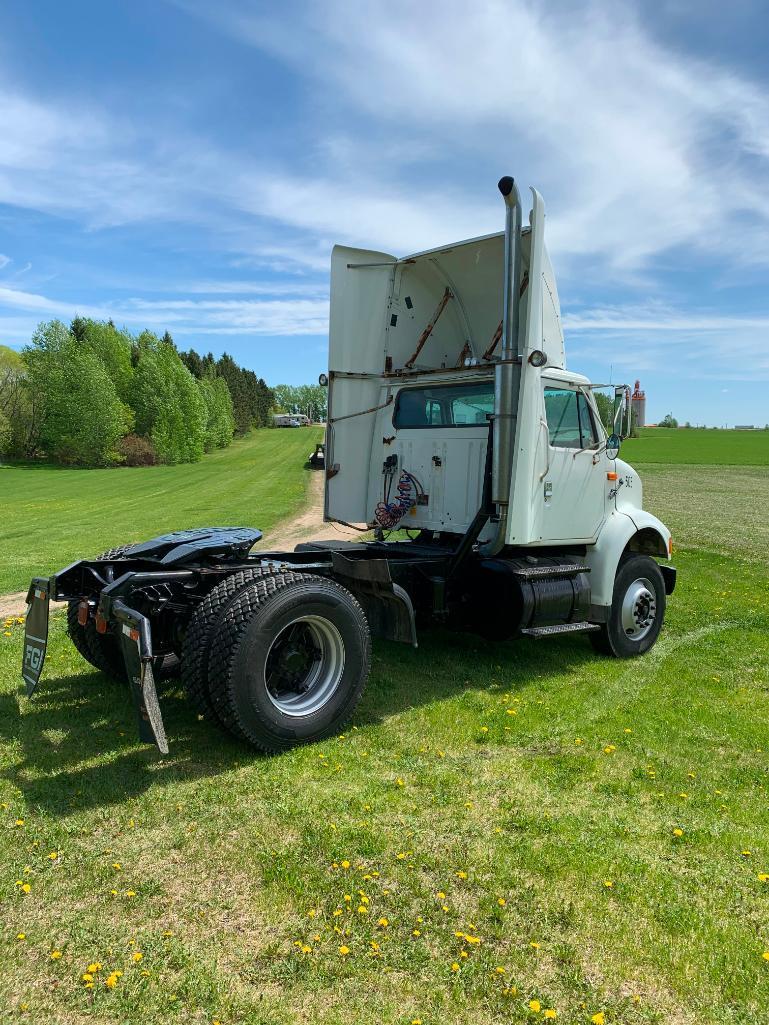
(560, 628)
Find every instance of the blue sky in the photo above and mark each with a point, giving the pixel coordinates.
(187, 166)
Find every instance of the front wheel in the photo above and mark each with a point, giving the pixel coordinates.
(637, 609)
(288, 660)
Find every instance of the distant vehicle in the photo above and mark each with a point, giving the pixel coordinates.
(290, 420)
(317, 459)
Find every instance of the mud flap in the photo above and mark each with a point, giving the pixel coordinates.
(35, 633)
(136, 645)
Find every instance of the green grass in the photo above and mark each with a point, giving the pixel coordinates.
(491, 791)
(51, 516)
(697, 445)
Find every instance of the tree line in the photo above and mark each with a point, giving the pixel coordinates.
(93, 395)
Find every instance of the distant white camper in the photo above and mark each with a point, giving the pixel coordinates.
(290, 420)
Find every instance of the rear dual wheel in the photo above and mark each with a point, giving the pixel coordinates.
(279, 659)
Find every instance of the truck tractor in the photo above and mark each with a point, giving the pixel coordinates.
(489, 496)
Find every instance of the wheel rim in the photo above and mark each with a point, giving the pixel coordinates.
(304, 665)
(639, 609)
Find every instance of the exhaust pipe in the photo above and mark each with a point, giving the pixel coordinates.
(506, 377)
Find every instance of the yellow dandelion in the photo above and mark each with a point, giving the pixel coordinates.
(500, 970)
(117, 866)
(535, 1006)
(21, 936)
(53, 855)
(501, 901)
(455, 967)
(578, 740)
(765, 955)
(337, 912)
(763, 877)
(19, 822)
(94, 967)
(138, 956)
(550, 1012)
(383, 922)
(610, 749)
(598, 1019)
(130, 893)
(534, 945)
(400, 783)
(745, 854)
(484, 729)
(416, 932)
(608, 883)
(87, 976)
(55, 955)
(472, 939)
(26, 888)
(362, 909)
(440, 895)
(461, 874)
(344, 951)
(678, 832)
(345, 863)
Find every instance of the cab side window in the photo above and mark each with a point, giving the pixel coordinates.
(570, 421)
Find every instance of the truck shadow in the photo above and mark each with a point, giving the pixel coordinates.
(78, 746)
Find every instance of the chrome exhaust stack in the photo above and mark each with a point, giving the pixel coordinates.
(506, 375)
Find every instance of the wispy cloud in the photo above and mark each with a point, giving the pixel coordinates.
(298, 315)
(638, 147)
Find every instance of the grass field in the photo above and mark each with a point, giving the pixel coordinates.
(698, 445)
(50, 516)
(505, 834)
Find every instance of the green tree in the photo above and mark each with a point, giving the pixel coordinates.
(169, 408)
(113, 348)
(220, 421)
(668, 421)
(82, 418)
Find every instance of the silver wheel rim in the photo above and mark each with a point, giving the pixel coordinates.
(304, 665)
(639, 609)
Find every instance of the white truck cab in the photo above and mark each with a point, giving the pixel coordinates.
(437, 356)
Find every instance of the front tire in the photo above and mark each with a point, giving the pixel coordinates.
(289, 660)
(637, 609)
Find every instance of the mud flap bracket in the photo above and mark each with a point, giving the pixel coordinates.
(136, 645)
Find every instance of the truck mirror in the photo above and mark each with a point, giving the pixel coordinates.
(612, 446)
(323, 380)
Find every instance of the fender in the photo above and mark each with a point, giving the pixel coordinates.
(621, 532)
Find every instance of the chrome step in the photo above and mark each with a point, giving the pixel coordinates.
(543, 572)
(560, 628)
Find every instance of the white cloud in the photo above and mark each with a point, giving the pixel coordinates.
(638, 148)
(4, 260)
(299, 315)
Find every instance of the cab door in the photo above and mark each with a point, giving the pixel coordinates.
(573, 485)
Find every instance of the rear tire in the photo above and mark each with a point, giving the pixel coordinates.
(637, 609)
(101, 650)
(289, 660)
(197, 639)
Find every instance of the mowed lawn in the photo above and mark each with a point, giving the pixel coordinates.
(51, 516)
(698, 445)
(505, 834)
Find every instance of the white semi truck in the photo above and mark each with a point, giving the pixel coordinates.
(457, 434)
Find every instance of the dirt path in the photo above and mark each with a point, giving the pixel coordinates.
(307, 526)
